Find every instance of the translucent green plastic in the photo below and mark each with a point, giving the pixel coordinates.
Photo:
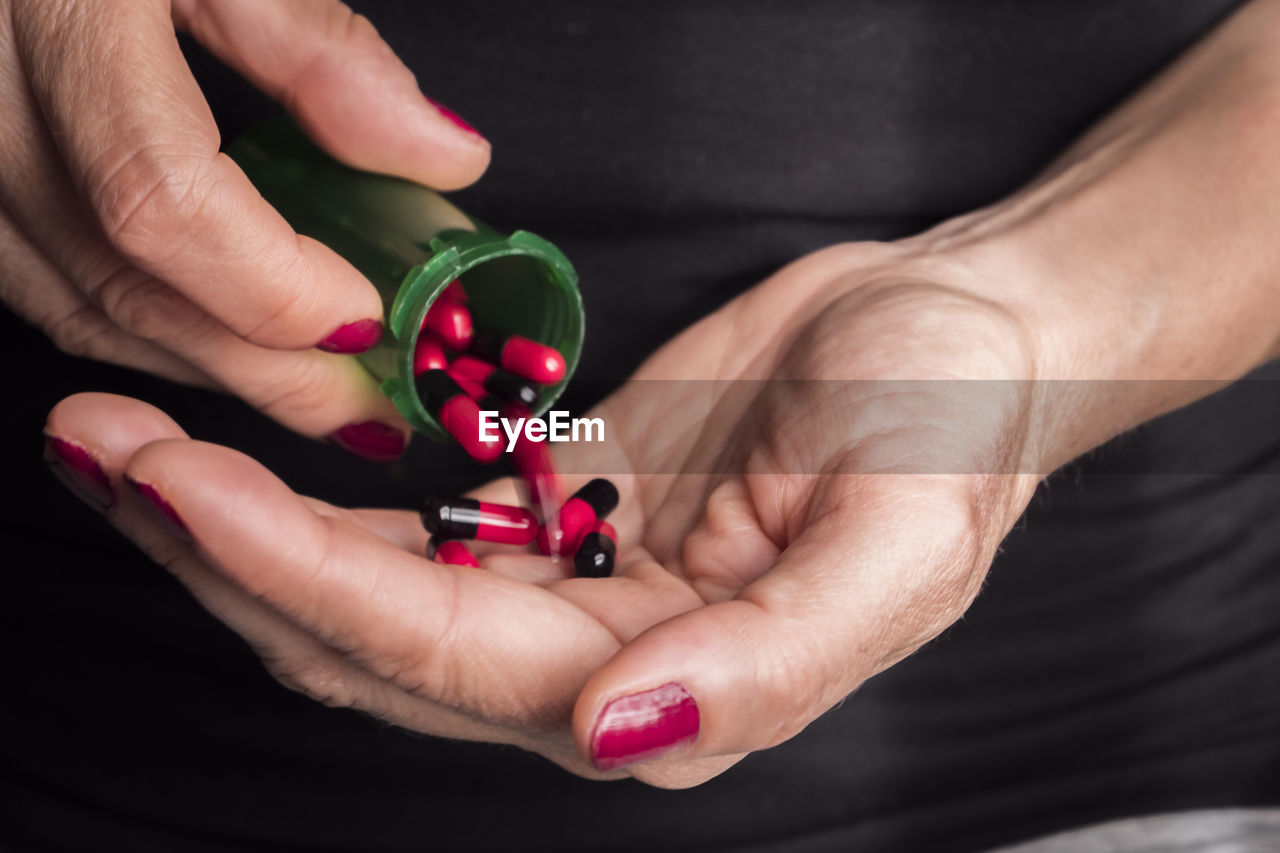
(411, 243)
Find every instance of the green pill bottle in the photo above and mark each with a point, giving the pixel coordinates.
(412, 243)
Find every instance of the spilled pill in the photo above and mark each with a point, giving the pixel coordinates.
(467, 518)
(585, 507)
(596, 552)
(452, 552)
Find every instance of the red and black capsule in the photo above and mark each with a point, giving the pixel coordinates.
(451, 551)
(522, 356)
(468, 518)
(534, 464)
(473, 373)
(451, 322)
(596, 551)
(445, 400)
(584, 508)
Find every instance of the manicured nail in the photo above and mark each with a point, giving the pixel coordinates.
(643, 726)
(374, 440)
(454, 117)
(160, 509)
(354, 337)
(79, 472)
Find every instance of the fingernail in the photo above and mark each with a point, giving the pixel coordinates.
(354, 337)
(160, 510)
(373, 440)
(643, 726)
(79, 472)
(454, 117)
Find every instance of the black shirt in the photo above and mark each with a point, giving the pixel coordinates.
(1122, 658)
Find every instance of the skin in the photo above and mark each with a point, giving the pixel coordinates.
(800, 537)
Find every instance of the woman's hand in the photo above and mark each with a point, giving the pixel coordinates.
(128, 238)
(824, 508)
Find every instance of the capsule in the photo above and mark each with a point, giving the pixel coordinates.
(472, 373)
(469, 367)
(595, 553)
(468, 518)
(457, 413)
(451, 551)
(521, 356)
(535, 466)
(451, 322)
(428, 354)
(453, 293)
(588, 505)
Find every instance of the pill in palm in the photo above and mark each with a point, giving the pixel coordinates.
(468, 518)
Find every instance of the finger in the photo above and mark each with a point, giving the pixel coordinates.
(110, 429)
(314, 393)
(141, 148)
(343, 83)
(882, 567)
(399, 527)
(94, 434)
(143, 320)
(36, 291)
(728, 548)
(473, 641)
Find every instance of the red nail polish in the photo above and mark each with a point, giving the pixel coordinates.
(160, 509)
(458, 120)
(354, 337)
(643, 726)
(372, 440)
(79, 472)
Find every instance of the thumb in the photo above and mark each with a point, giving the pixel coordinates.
(866, 583)
(344, 85)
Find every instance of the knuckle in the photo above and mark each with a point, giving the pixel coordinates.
(151, 200)
(77, 333)
(952, 571)
(798, 684)
(341, 30)
(289, 312)
(344, 26)
(359, 30)
(304, 393)
(149, 308)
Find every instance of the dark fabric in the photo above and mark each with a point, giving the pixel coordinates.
(1122, 658)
